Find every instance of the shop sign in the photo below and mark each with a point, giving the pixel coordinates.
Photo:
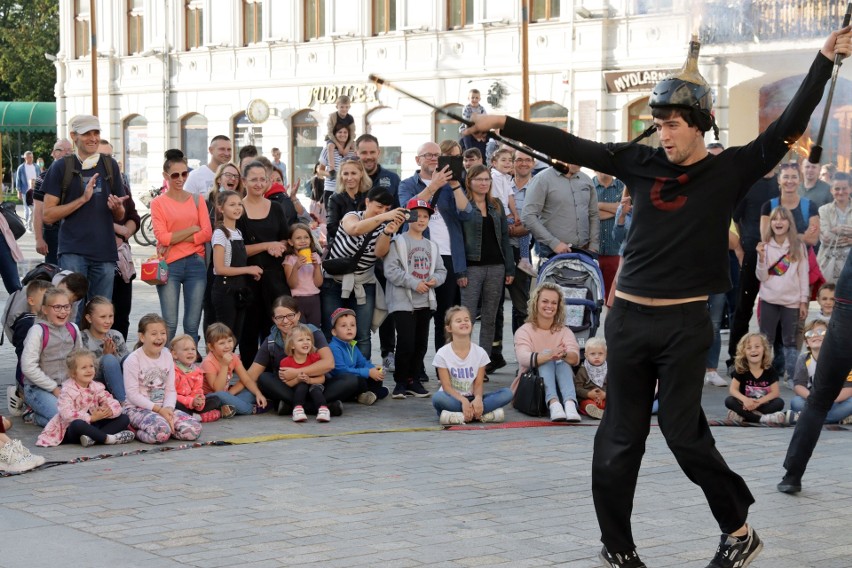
(366, 93)
(642, 80)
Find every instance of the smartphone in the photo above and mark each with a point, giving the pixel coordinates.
(456, 166)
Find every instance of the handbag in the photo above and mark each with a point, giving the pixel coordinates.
(155, 271)
(341, 266)
(529, 396)
(125, 265)
(16, 224)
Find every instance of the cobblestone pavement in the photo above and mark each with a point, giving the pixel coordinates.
(383, 485)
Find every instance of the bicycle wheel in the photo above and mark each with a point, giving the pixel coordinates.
(138, 236)
(145, 235)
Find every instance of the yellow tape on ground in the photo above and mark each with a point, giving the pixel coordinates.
(275, 437)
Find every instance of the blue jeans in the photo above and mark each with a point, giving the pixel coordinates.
(243, 402)
(8, 268)
(835, 360)
(837, 412)
(491, 401)
(331, 300)
(43, 403)
(716, 306)
(190, 272)
(558, 375)
(113, 377)
(100, 275)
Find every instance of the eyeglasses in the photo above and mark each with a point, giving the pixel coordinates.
(230, 175)
(429, 156)
(60, 307)
(175, 175)
(481, 180)
(814, 333)
(286, 317)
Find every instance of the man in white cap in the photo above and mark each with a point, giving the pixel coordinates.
(87, 200)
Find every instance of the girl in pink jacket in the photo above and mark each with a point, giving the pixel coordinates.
(782, 268)
(88, 414)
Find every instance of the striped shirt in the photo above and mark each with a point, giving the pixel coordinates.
(347, 246)
(331, 184)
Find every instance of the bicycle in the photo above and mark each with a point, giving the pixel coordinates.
(145, 235)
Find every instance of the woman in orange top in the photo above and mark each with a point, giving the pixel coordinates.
(182, 226)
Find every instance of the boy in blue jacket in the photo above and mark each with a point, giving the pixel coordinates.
(349, 360)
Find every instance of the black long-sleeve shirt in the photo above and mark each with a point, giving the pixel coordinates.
(678, 244)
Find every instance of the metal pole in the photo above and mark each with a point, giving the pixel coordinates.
(94, 55)
(525, 59)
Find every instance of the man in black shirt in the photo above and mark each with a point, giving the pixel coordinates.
(676, 256)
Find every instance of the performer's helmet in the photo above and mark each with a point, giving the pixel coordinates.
(679, 93)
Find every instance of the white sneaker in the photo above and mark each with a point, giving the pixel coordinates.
(774, 418)
(449, 418)
(323, 414)
(846, 421)
(299, 414)
(14, 401)
(389, 363)
(366, 398)
(715, 379)
(734, 417)
(525, 266)
(15, 458)
(594, 411)
(557, 414)
(493, 416)
(571, 414)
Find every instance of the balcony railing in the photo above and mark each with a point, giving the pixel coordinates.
(754, 21)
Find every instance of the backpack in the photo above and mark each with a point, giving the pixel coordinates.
(70, 165)
(42, 271)
(804, 205)
(16, 303)
(45, 333)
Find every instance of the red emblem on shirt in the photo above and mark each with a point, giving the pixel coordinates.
(670, 205)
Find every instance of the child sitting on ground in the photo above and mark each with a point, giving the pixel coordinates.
(20, 328)
(105, 343)
(754, 392)
(301, 354)
(149, 381)
(224, 373)
(189, 384)
(88, 414)
(14, 457)
(46, 346)
(803, 379)
(590, 379)
(348, 359)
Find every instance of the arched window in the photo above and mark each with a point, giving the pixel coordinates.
(384, 123)
(307, 144)
(135, 146)
(447, 128)
(549, 113)
(193, 139)
(638, 119)
(246, 133)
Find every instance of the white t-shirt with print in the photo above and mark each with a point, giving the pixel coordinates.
(462, 371)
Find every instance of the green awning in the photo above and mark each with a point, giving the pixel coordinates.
(27, 117)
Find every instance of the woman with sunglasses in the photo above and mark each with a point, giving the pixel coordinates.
(182, 228)
(265, 229)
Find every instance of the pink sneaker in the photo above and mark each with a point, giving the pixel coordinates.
(299, 414)
(323, 414)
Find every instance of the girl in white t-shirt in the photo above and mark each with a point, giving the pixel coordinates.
(461, 370)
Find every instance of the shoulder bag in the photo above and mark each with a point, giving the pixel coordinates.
(529, 396)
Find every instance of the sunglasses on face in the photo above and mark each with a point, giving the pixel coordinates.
(182, 175)
(814, 333)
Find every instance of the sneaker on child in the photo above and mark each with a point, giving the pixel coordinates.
(323, 414)
(525, 266)
(14, 401)
(451, 418)
(123, 437)
(715, 379)
(493, 416)
(299, 414)
(737, 552)
(366, 398)
(15, 458)
(779, 417)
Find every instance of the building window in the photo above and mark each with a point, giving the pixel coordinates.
(459, 13)
(543, 10)
(245, 133)
(549, 113)
(314, 19)
(82, 40)
(447, 128)
(384, 16)
(136, 150)
(252, 21)
(652, 6)
(135, 27)
(194, 24)
(639, 119)
(306, 142)
(193, 138)
(384, 123)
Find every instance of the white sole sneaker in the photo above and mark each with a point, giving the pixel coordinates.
(451, 418)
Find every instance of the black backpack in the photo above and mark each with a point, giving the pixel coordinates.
(70, 165)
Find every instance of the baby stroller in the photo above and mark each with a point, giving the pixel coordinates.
(580, 278)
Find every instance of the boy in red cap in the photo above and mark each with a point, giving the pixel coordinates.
(413, 268)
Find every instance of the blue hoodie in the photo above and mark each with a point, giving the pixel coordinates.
(348, 359)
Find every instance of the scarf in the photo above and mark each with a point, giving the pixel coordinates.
(596, 374)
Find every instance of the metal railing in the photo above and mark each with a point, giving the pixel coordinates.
(754, 21)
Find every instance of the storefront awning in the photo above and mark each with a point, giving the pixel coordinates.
(27, 117)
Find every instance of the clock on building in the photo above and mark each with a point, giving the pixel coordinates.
(257, 111)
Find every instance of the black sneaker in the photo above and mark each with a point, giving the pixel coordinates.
(621, 559)
(735, 553)
(399, 391)
(415, 388)
(497, 362)
(422, 376)
(335, 407)
(790, 484)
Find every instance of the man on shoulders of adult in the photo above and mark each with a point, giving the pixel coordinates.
(813, 188)
(200, 180)
(47, 235)
(561, 211)
(88, 206)
(368, 151)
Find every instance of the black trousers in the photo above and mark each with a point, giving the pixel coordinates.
(343, 387)
(303, 390)
(97, 431)
(387, 331)
(669, 343)
(258, 316)
(228, 307)
(735, 404)
(747, 293)
(122, 301)
(211, 402)
(412, 342)
(447, 295)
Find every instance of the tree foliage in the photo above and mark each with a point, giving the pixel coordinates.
(28, 30)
